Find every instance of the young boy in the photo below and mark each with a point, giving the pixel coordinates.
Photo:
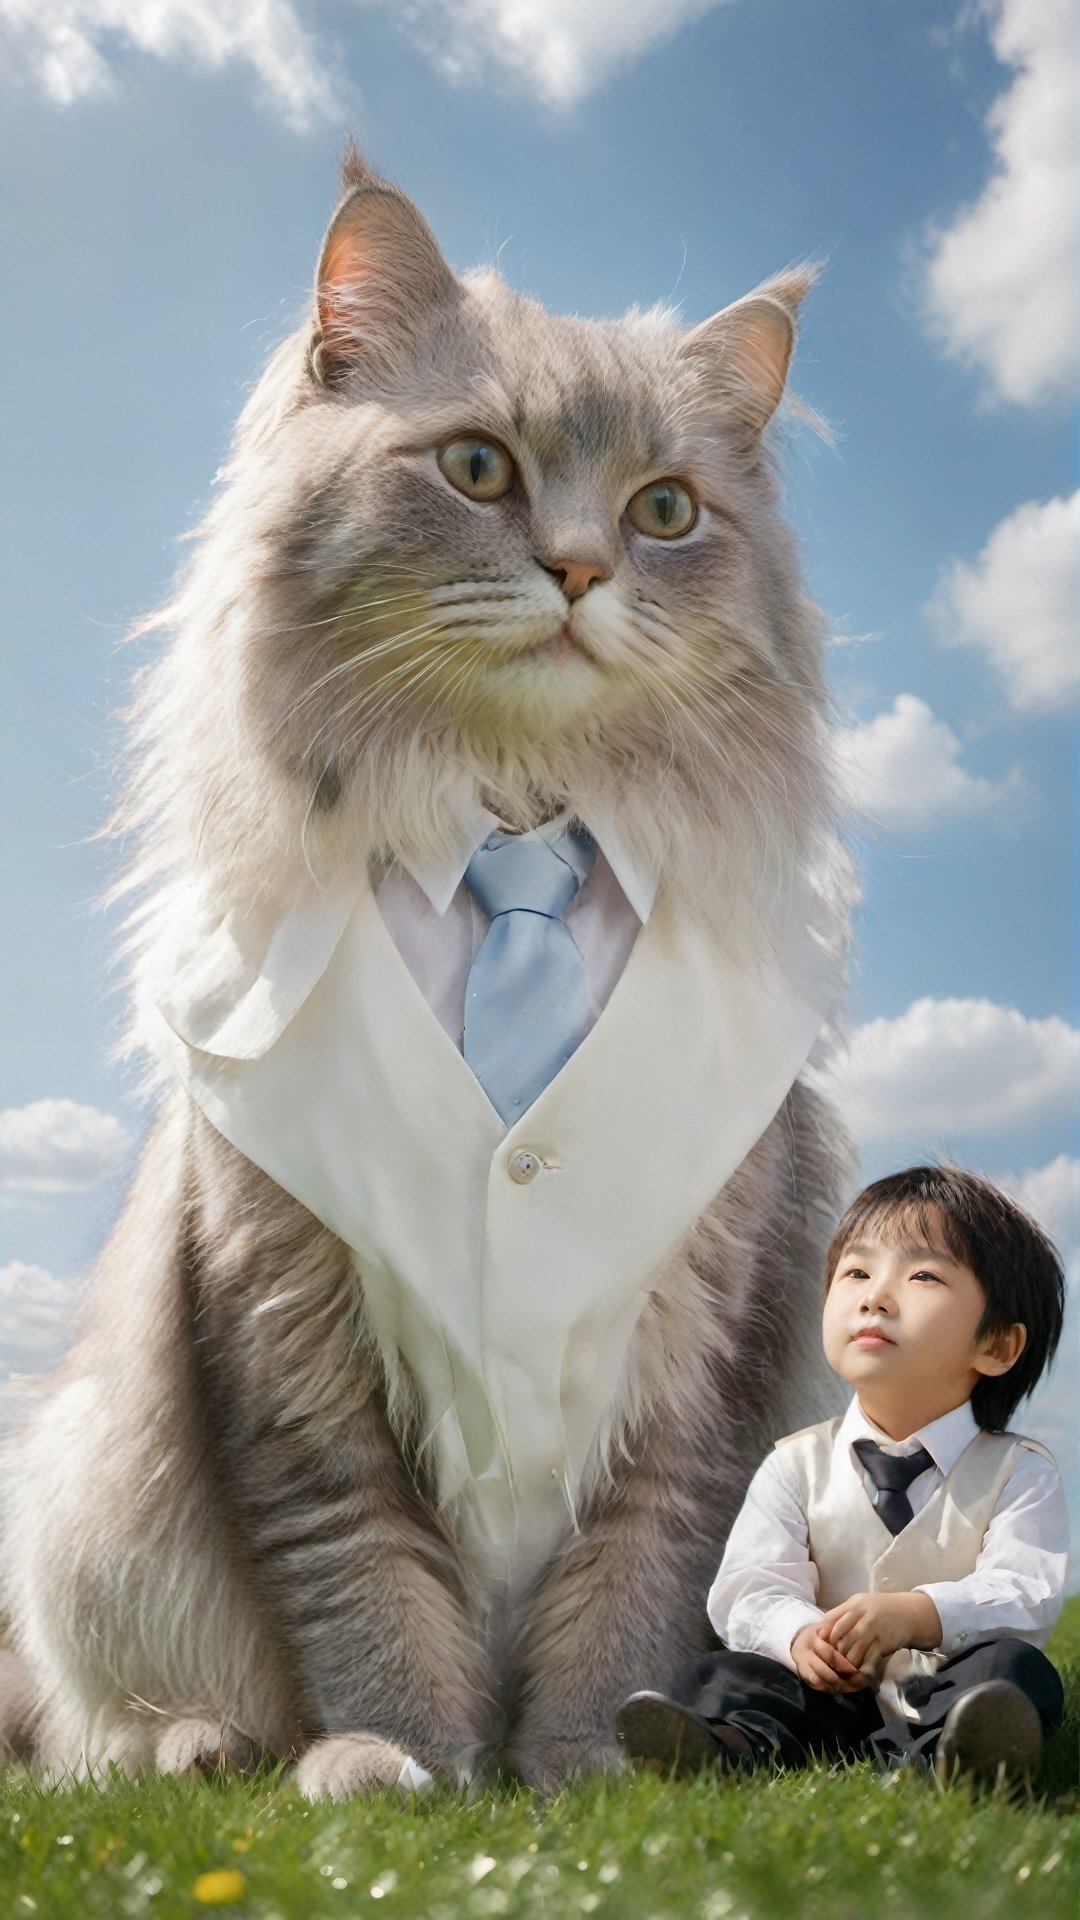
(891, 1575)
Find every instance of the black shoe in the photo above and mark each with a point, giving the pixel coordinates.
(649, 1726)
(992, 1733)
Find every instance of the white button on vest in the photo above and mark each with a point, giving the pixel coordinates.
(523, 1166)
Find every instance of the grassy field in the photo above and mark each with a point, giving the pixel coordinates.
(821, 1845)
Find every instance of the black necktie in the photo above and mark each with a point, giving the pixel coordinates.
(892, 1475)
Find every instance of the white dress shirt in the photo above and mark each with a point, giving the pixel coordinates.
(438, 927)
(766, 1589)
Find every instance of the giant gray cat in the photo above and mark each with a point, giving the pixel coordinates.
(458, 537)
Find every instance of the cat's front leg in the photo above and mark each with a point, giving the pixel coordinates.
(598, 1631)
(371, 1605)
(394, 1672)
(621, 1610)
(361, 1587)
(373, 1609)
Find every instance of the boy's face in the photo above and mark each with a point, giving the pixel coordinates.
(899, 1325)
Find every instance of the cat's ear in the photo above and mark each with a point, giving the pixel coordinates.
(380, 275)
(743, 352)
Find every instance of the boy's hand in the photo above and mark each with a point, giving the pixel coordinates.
(870, 1626)
(823, 1666)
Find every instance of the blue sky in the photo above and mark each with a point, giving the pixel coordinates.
(165, 176)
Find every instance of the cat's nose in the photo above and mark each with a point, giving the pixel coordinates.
(575, 577)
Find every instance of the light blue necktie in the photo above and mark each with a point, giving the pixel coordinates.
(525, 1004)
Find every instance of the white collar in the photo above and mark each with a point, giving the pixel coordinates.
(228, 980)
(945, 1438)
(440, 879)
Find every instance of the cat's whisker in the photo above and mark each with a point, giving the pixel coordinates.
(422, 666)
(430, 656)
(335, 718)
(349, 665)
(717, 691)
(332, 619)
(703, 663)
(469, 671)
(446, 653)
(342, 666)
(398, 695)
(363, 656)
(349, 749)
(348, 628)
(366, 691)
(667, 690)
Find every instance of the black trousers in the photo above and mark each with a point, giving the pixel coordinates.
(788, 1721)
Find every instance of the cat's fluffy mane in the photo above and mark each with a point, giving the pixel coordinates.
(240, 767)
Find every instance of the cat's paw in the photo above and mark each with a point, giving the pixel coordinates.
(547, 1765)
(342, 1764)
(197, 1746)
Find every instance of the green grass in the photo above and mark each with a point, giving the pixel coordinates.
(818, 1845)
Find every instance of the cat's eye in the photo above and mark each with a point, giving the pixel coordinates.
(663, 509)
(477, 467)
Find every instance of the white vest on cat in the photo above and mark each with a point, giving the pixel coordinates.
(306, 1042)
(852, 1548)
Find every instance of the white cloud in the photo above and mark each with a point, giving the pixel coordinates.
(1000, 285)
(1018, 601)
(67, 47)
(948, 1067)
(37, 1314)
(1052, 1195)
(53, 1146)
(560, 50)
(902, 769)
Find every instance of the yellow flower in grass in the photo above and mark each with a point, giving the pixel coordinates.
(220, 1888)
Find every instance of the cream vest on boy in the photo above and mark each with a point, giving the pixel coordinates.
(852, 1548)
(507, 1268)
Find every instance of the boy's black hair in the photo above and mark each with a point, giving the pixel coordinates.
(1015, 1264)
